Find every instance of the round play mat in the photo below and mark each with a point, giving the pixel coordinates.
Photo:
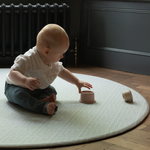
(74, 122)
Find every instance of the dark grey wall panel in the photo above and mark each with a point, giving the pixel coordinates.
(119, 61)
(119, 28)
(116, 35)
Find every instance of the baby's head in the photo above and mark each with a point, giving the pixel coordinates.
(52, 39)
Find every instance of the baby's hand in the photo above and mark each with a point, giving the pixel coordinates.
(81, 84)
(32, 83)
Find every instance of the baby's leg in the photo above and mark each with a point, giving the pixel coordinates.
(22, 97)
(48, 95)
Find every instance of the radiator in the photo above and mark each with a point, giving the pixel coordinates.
(20, 24)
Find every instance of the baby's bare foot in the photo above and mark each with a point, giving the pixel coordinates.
(49, 99)
(51, 108)
(52, 98)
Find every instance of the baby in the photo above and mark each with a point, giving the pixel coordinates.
(28, 82)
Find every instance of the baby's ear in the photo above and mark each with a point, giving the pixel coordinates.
(46, 51)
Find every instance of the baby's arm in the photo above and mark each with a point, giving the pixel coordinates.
(21, 80)
(68, 76)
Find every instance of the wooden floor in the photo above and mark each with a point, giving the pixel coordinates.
(136, 139)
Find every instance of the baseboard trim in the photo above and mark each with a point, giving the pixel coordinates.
(123, 51)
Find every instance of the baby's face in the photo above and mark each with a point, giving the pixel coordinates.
(57, 53)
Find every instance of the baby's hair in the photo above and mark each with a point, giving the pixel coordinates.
(50, 36)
